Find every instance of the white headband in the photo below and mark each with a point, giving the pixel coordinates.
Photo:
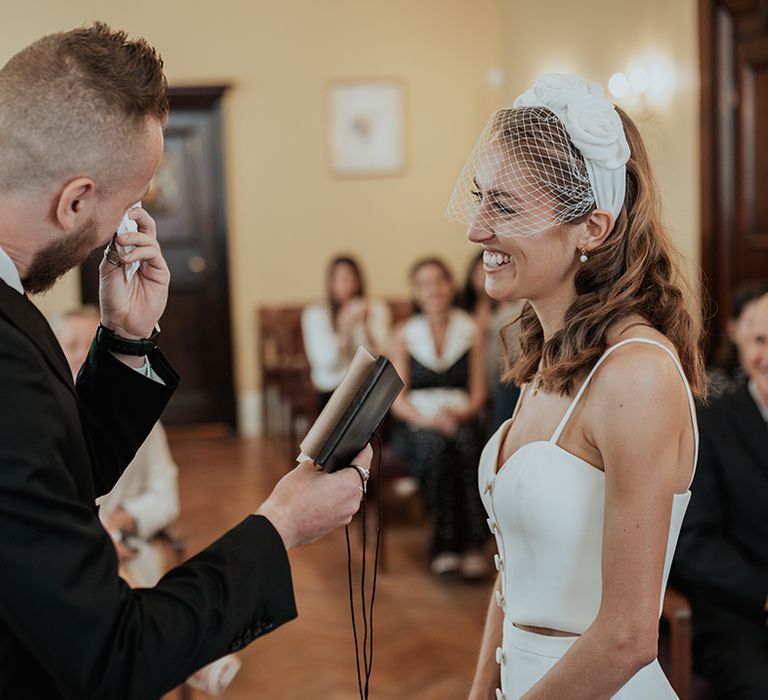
(594, 127)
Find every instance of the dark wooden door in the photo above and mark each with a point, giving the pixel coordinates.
(187, 202)
(734, 143)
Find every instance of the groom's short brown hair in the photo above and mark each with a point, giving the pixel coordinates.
(73, 103)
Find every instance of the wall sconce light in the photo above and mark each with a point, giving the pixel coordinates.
(644, 87)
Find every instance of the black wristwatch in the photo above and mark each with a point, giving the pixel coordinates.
(111, 341)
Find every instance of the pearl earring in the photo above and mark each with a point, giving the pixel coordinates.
(583, 250)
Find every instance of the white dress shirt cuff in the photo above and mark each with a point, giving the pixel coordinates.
(147, 371)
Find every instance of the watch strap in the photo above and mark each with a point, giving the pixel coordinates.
(113, 342)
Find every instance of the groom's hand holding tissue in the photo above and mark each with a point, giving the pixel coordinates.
(131, 306)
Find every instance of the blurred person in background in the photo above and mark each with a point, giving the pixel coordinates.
(145, 499)
(727, 372)
(334, 328)
(722, 556)
(439, 353)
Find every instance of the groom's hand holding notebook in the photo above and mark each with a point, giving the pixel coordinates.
(352, 414)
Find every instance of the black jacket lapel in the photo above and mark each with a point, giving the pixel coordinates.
(749, 421)
(23, 314)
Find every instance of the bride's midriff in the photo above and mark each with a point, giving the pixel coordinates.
(546, 631)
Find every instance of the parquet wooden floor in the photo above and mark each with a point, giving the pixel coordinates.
(427, 630)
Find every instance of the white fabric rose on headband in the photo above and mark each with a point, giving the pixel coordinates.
(556, 90)
(596, 130)
(594, 127)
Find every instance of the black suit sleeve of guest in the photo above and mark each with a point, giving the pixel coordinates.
(61, 600)
(118, 409)
(706, 560)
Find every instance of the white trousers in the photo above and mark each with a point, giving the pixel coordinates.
(526, 657)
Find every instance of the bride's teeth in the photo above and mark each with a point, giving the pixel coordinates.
(496, 259)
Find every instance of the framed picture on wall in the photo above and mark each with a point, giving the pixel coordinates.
(367, 128)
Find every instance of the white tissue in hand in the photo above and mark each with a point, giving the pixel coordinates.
(127, 225)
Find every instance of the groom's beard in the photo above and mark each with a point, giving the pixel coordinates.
(59, 257)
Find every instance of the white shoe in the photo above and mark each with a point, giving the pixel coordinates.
(215, 678)
(446, 563)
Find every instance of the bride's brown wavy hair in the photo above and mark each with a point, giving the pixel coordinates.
(635, 271)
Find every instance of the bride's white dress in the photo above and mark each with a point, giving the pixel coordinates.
(545, 508)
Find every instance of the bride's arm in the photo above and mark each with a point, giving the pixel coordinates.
(486, 678)
(639, 411)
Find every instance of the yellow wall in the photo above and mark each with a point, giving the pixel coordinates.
(287, 214)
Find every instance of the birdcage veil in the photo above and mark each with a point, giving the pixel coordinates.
(555, 155)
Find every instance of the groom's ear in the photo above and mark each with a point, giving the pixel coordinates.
(75, 204)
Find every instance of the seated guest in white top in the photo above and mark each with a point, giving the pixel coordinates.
(333, 329)
(144, 501)
(439, 353)
(146, 497)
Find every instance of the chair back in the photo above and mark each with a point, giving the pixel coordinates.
(280, 343)
(401, 310)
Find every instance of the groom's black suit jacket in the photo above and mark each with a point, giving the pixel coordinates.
(69, 626)
(722, 555)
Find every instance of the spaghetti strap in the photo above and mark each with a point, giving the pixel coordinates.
(559, 430)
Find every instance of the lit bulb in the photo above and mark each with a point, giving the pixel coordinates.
(662, 81)
(618, 85)
(639, 80)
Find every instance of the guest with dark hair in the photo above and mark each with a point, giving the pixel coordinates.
(727, 372)
(722, 556)
(439, 354)
(496, 320)
(334, 328)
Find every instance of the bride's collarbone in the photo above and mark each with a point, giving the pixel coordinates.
(539, 418)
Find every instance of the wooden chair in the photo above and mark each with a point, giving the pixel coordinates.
(675, 652)
(400, 310)
(283, 366)
(676, 612)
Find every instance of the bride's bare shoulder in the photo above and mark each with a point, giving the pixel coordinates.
(640, 377)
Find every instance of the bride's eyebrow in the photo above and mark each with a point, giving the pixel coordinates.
(498, 194)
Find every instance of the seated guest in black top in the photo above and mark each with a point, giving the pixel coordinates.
(722, 555)
(439, 354)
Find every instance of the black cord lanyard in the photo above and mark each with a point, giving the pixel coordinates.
(363, 679)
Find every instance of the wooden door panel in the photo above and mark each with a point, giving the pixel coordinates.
(752, 159)
(187, 202)
(734, 120)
